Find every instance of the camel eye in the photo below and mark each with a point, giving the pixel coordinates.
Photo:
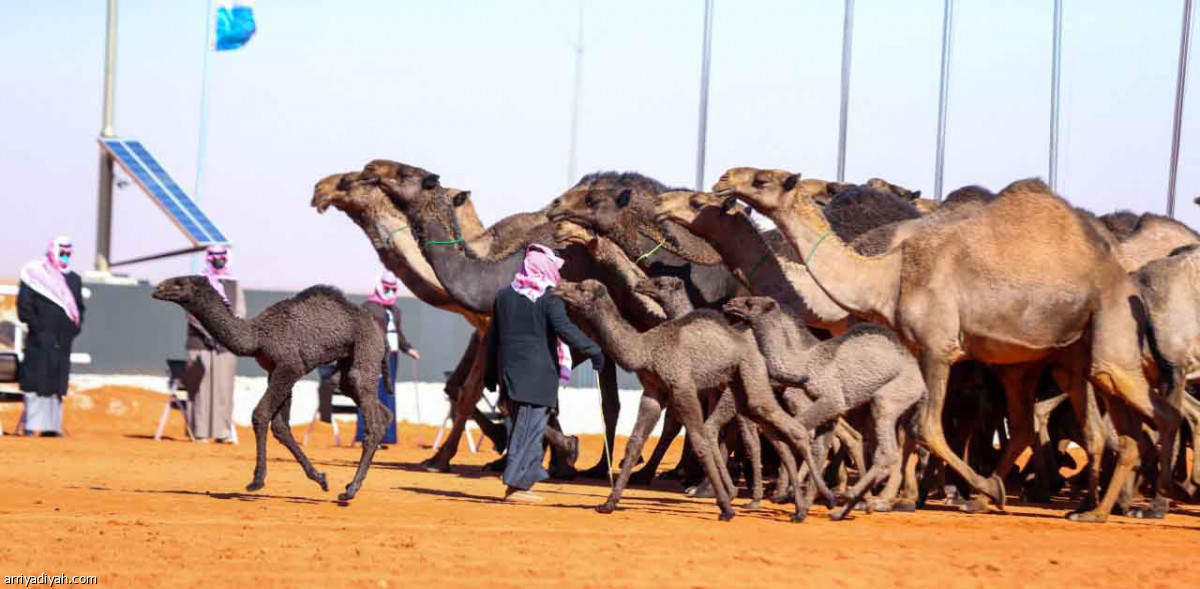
(590, 202)
(758, 183)
(696, 204)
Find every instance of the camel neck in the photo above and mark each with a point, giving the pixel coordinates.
(748, 255)
(235, 334)
(398, 250)
(867, 286)
(617, 337)
(470, 282)
(620, 276)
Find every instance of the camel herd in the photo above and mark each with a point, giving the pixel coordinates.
(889, 348)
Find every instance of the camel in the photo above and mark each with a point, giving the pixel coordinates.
(1147, 237)
(1022, 278)
(867, 365)
(289, 339)
(389, 231)
(682, 358)
(669, 292)
(1170, 288)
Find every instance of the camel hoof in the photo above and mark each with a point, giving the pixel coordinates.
(564, 473)
(1158, 509)
(345, 496)
(903, 506)
(702, 491)
(1088, 517)
(605, 508)
(998, 497)
(881, 506)
(255, 485)
(781, 498)
(496, 465)
(977, 504)
(755, 504)
(798, 518)
(435, 465)
(840, 514)
(726, 515)
(320, 478)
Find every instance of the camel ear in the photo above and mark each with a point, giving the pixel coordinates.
(461, 198)
(624, 198)
(915, 195)
(729, 204)
(790, 182)
(430, 181)
(769, 305)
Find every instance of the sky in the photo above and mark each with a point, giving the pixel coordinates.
(481, 91)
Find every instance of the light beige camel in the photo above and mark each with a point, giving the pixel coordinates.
(1015, 283)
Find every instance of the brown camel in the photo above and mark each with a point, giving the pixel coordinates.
(682, 358)
(289, 339)
(1023, 278)
(867, 365)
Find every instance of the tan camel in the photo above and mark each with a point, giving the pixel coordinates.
(1020, 280)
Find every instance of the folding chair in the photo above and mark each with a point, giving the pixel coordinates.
(330, 382)
(491, 412)
(176, 400)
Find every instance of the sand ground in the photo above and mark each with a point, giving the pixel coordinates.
(111, 502)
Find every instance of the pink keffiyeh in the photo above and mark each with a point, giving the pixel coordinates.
(216, 268)
(47, 277)
(538, 273)
(386, 289)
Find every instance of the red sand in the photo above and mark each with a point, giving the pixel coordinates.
(109, 501)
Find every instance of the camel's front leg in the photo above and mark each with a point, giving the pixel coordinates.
(649, 410)
(283, 432)
(279, 390)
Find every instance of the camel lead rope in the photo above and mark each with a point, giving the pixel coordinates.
(807, 261)
(604, 433)
(649, 253)
(459, 240)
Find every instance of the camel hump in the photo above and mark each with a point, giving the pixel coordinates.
(321, 290)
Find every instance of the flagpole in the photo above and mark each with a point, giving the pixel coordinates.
(202, 134)
(702, 125)
(577, 90)
(943, 97)
(1055, 94)
(104, 202)
(1180, 85)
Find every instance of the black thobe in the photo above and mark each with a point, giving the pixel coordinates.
(46, 367)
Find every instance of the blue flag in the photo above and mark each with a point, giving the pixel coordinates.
(235, 24)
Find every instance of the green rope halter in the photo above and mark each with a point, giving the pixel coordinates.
(396, 231)
(808, 261)
(649, 253)
(451, 242)
(757, 265)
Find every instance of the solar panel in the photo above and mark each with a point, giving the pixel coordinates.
(157, 183)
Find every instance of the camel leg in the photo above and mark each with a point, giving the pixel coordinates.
(670, 430)
(754, 390)
(1192, 409)
(753, 445)
(283, 433)
(464, 407)
(279, 390)
(722, 412)
(887, 449)
(687, 406)
(649, 410)
(362, 378)
(610, 406)
(1020, 399)
(936, 372)
(1083, 400)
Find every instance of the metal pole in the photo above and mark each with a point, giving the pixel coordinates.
(702, 132)
(104, 203)
(1180, 84)
(1055, 95)
(943, 97)
(847, 46)
(202, 134)
(578, 84)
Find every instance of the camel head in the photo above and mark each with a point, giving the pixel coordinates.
(587, 296)
(693, 209)
(660, 288)
(567, 231)
(900, 191)
(748, 308)
(766, 190)
(404, 182)
(327, 190)
(182, 289)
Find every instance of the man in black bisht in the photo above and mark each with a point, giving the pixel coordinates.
(50, 302)
(527, 359)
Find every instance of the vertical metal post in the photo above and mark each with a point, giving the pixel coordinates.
(578, 85)
(1055, 94)
(843, 117)
(1180, 85)
(202, 133)
(104, 203)
(702, 131)
(943, 97)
